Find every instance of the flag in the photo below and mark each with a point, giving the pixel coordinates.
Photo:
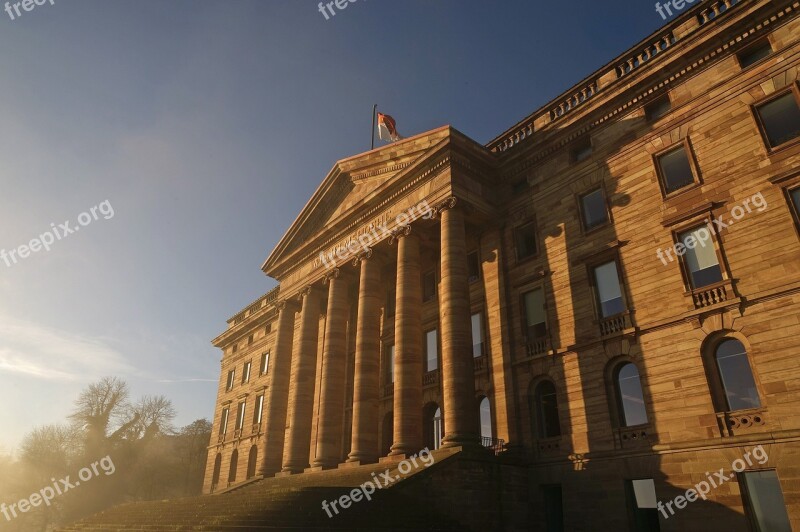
(387, 129)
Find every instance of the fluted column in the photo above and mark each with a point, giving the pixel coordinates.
(301, 389)
(334, 359)
(408, 347)
(278, 392)
(458, 378)
(366, 381)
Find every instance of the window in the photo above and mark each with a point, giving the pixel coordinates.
(546, 410)
(223, 421)
(609, 291)
(675, 169)
(477, 335)
(473, 266)
(553, 508)
(779, 119)
(485, 411)
(391, 300)
(233, 467)
(240, 416)
(763, 501)
(581, 150)
(535, 325)
(246, 372)
(438, 428)
(593, 209)
(431, 350)
(250, 340)
(525, 240)
(736, 376)
(264, 363)
(390, 365)
(753, 54)
(657, 108)
(231, 377)
(630, 398)
(268, 329)
(642, 505)
(258, 412)
(700, 257)
(794, 197)
(429, 286)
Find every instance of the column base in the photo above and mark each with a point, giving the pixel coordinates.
(314, 469)
(461, 440)
(393, 458)
(280, 474)
(361, 460)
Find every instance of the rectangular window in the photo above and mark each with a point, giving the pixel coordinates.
(429, 286)
(700, 257)
(264, 363)
(753, 54)
(593, 208)
(250, 340)
(535, 321)
(390, 364)
(431, 350)
(675, 169)
(477, 335)
(391, 299)
(231, 380)
(246, 373)
(763, 501)
(609, 291)
(258, 412)
(780, 119)
(525, 240)
(581, 150)
(473, 266)
(223, 421)
(657, 108)
(642, 505)
(240, 416)
(553, 508)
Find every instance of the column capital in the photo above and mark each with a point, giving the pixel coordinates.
(331, 274)
(444, 205)
(364, 255)
(403, 230)
(289, 304)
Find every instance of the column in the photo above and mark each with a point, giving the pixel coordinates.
(458, 377)
(301, 388)
(408, 347)
(334, 359)
(278, 392)
(366, 381)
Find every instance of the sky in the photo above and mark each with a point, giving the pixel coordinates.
(197, 130)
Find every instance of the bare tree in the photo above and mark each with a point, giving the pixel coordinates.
(152, 415)
(99, 408)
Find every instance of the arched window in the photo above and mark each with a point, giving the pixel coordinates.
(217, 469)
(630, 398)
(545, 411)
(735, 375)
(251, 462)
(485, 412)
(433, 426)
(234, 465)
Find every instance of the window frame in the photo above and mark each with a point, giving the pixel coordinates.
(265, 356)
(581, 146)
(719, 397)
(476, 278)
(425, 275)
(482, 314)
(241, 407)
(793, 209)
(539, 428)
(648, 114)
(749, 48)
(438, 349)
(795, 91)
(696, 223)
(524, 311)
(747, 501)
(247, 368)
(616, 399)
(258, 410)
(596, 263)
(534, 229)
(579, 198)
(695, 168)
(231, 380)
(223, 420)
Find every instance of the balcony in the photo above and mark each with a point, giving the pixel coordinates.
(388, 389)
(220, 439)
(481, 363)
(711, 295)
(616, 324)
(431, 378)
(742, 421)
(497, 445)
(548, 446)
(638, 436)
(256, 429)
(237, 434)
(537, 346)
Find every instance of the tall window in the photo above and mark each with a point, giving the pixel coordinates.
(223, 421)
(233, 467)
(246, 372)
(675, 169)
(264, 363)
(240, 416)
(486, 418)
(700, 257)
(609, 291)
(473, 266)
(231, 380)
(438, 428)
(259, 411)
(764, 503)
(642, 505)
(431, 350)
(535, 322)
(429, 286)
(593, 209)
(390, 364)
(780, 119)
(477, 335)
(630, 398)
(391, 301)
(525, 240)
(545, 409)
(736, 376)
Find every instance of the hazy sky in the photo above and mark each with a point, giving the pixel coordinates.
(207, 125)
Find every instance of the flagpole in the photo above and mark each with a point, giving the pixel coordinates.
(374, 110)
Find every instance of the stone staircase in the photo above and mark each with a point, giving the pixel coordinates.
(292, 503)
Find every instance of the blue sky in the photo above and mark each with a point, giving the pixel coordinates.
(207, 125)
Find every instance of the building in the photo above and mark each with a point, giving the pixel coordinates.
(609, 291)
